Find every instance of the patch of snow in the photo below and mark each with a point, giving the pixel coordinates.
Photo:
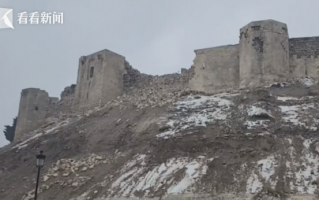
(264, 133)
(287, 98)
(298, 115)
(307, 170)
(22, 146)
(290, 114)
(196, 111)
(48, 130)
(267, 167)
(193, 172)
(256, 110)
(279, 98)
(307, 81)
(134, 177)
(253, 184)
(256, 123)
(301, 170)
(264, 169)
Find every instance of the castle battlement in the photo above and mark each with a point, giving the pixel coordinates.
(265, 54)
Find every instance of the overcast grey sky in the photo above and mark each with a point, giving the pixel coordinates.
(155, 36)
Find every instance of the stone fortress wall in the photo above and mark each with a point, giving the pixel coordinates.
(304, 57)
(33, 108)
(264, 55)
(215, 69)
(100, 79)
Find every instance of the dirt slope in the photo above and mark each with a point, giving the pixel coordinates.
(261, 142)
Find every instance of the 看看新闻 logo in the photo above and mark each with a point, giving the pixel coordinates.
(6, 16)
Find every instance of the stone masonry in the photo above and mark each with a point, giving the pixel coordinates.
(100, 79)
(264, 55)
(216, 69)
(32, 110)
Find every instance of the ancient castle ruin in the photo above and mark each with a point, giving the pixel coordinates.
(265, 54)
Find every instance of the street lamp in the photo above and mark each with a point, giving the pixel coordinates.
(40, 161)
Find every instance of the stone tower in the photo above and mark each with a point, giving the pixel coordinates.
(100, 79)
(263, 53)
(32, 111)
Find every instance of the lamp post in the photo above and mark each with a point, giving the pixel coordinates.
(40, 161)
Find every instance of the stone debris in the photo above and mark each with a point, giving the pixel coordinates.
(66, 167)
(149, 98)
(70, 170)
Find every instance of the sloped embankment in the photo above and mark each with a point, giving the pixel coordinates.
(247, 144)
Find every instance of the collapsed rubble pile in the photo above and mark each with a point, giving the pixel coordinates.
(65, 167)
(148, 98)
(67, 173)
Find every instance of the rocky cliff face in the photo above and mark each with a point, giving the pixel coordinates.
(173, 143)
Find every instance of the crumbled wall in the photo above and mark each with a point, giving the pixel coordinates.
(143, 91)
(67, 99)
(263, 53)
(134, 80)
(52, 107)
(32, 110)
(63, 107)
(68, 93)
(216, 69)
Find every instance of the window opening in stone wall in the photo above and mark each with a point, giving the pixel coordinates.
(36, 108)
(91, 72)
